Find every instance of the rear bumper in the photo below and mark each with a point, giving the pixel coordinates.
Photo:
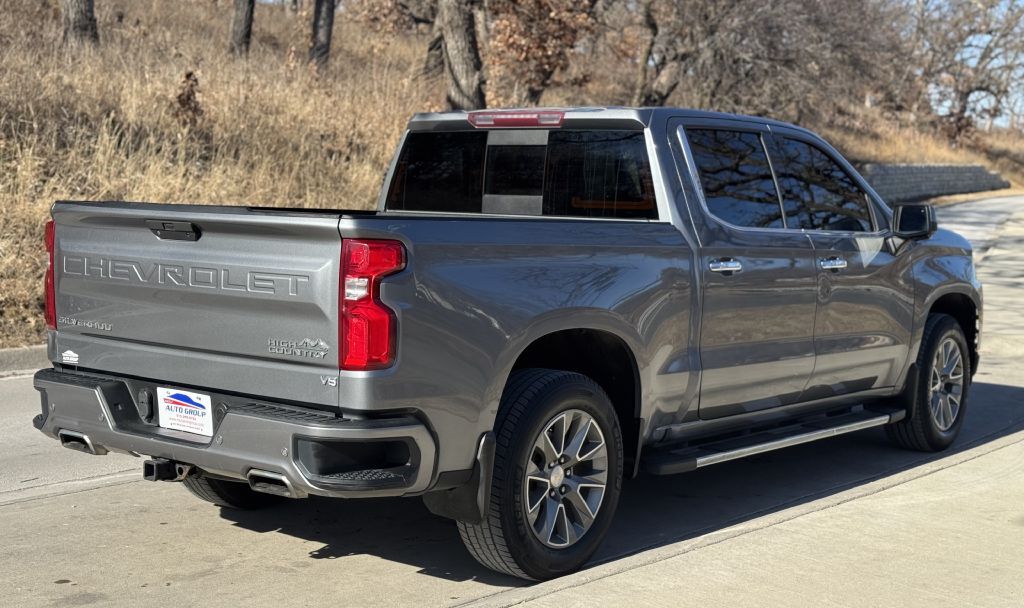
(312, 451)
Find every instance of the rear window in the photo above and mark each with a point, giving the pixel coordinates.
(440, 172)
(515, 170)
(602, 174)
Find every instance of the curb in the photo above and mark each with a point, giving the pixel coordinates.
(23, 359)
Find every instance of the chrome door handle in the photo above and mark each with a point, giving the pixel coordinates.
(832, 263)
(725, 265)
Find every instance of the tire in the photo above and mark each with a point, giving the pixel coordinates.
(229, 494)
(923, 429)
(508, 540)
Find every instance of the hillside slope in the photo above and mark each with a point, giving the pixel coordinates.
(161, 112)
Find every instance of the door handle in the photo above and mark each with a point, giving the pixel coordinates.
(174, 230)
(727, 265)
(834, 263)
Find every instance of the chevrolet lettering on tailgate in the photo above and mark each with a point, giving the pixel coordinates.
(161, 273)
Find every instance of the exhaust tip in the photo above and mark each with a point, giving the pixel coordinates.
(80, 442)
(272, 483)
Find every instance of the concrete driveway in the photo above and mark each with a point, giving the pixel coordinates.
(850, 521)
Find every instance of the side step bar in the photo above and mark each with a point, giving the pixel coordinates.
(669, 461)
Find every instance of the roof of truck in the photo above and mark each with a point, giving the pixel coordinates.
(578, 116)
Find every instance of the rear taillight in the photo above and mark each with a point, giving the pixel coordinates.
(367, 329)
(51, 298)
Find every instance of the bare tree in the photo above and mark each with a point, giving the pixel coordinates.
(455, 43)
(395, 16)
(660, 67)
(796, 59)
(1015, 109)
(969, 57)
(530, 41)
(79, 21)
(521, 45)
(323, 26)
(241, 26)
(454, 49)
(787, 58)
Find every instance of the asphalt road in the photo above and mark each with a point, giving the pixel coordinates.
(81, 530)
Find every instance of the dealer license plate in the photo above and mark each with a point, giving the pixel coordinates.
(185, 411)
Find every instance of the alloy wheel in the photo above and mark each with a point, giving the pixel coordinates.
(565, 480)
(947, 384)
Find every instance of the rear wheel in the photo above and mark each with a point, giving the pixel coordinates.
(556, 479)
(230, 494)
(939, 400)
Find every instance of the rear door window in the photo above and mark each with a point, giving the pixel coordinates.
(817, 193)
(736, 177)
(592, 173)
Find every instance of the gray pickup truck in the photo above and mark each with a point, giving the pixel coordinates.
(545, 303)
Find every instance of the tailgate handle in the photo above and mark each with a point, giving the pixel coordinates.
(177, 231)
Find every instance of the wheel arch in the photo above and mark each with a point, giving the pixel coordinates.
(605, 357)
(613, 360)
(966, 312)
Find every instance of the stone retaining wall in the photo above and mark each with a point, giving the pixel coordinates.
(902, 183)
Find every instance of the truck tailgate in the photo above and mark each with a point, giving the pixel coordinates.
(250, 306)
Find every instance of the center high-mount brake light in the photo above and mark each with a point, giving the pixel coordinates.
(516, 119)
(367, 328)
(50, 305)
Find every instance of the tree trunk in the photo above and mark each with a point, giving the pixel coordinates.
(480, 12)
(641, 87)
(959, 122)
(323, 25)
(79, 20)
(241, 27)
(433, 65)
(463, 67)
(663, 85)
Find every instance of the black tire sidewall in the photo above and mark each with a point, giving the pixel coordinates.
(937, 439)
(536, 559)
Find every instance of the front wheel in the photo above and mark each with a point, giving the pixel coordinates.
(556, 479)
(938, 402)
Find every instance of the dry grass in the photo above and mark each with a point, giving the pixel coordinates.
(865, 137)
(106, 123)
(953, 199)
(1004, 152)
(892, 143)
(124, 121)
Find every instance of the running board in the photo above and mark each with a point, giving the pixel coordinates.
(669, 461)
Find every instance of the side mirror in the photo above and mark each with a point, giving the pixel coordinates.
(913, 221)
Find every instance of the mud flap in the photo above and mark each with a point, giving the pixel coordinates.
(469, 502)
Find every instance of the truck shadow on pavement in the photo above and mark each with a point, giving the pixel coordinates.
(654, 511)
